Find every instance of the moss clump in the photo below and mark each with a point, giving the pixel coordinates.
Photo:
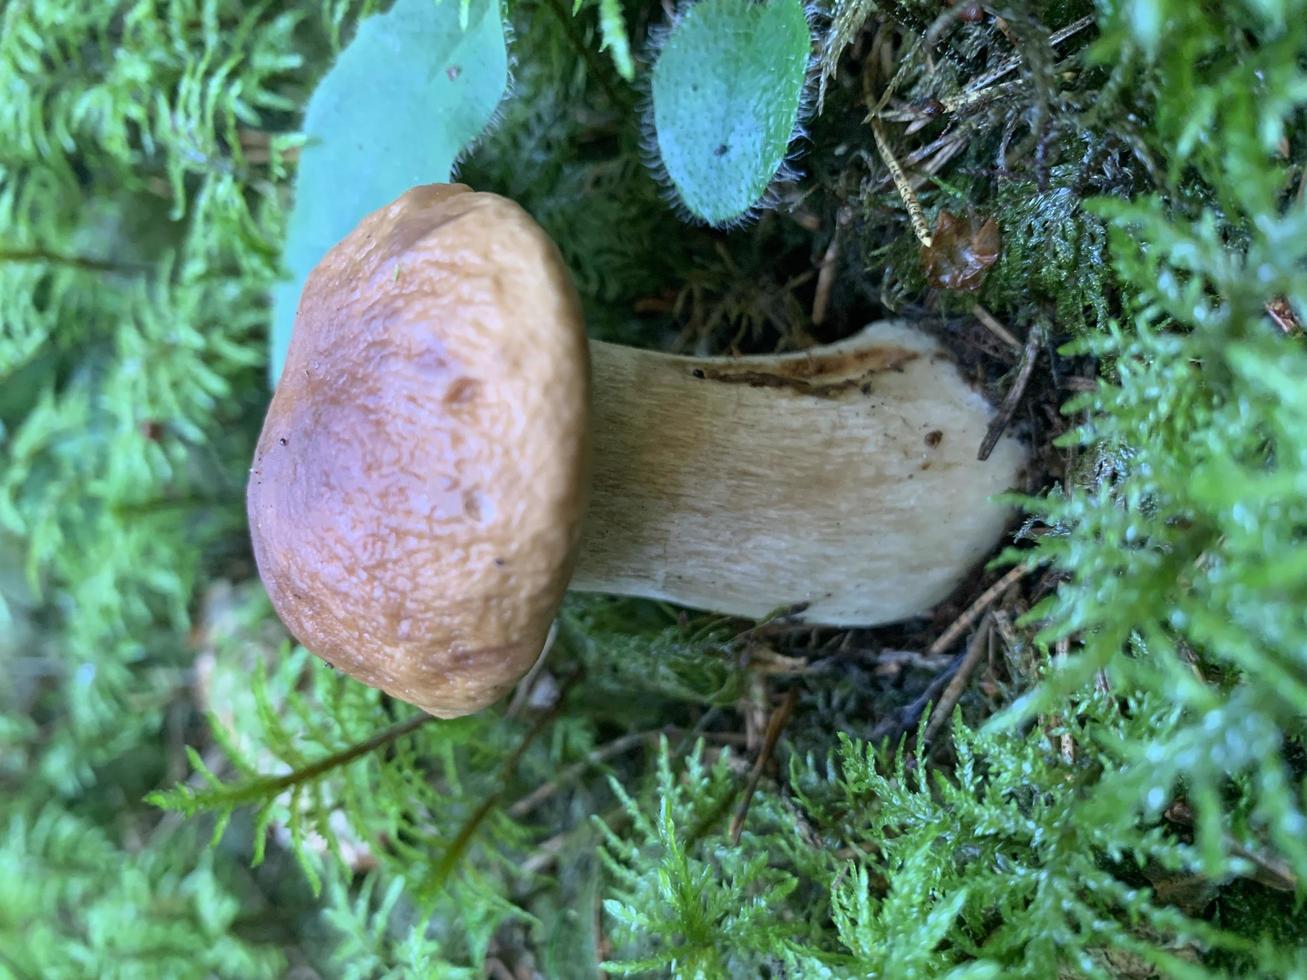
(1118, 788)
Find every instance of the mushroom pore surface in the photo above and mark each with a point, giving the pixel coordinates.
(417, 491)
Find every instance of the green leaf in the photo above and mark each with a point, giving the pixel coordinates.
(411, 91)
(727, 90)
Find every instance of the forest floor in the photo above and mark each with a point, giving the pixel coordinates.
(1088, 761)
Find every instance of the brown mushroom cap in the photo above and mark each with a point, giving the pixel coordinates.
(418, 488)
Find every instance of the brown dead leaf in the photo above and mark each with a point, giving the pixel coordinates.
(1282, 313)
(961, 252)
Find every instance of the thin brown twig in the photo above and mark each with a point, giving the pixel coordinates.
(826, 272)
(1281, 313)
(1269, 870)
(545, 790)
(1013, 397)
(956, 136)
(894, 725)
(1003, 623)
(775, 726)
(547, 851)
(958, 683)
(1061, 650)
(935, 163)
(893, 661)
(1075, 382)
(465, 833)
(752, 706)
(994, 326)
(974, 611)
(736, 739)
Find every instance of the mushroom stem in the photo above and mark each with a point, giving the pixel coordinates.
(842, 482)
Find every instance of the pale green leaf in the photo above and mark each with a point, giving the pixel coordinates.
(727, 90)
(404, 99)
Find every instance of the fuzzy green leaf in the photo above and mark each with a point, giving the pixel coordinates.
(727, 90)
(402, 102)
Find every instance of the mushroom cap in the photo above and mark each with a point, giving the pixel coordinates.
(417, 491)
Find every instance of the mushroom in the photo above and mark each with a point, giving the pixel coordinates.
(418, 498)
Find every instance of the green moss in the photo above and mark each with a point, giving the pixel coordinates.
(1134, 802)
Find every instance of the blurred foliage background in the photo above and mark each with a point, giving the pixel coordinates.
(1113, 780)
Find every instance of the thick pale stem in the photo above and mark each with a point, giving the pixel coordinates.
(842, 480)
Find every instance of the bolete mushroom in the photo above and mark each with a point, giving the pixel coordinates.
(418, 499)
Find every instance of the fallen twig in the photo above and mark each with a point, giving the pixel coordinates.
(974, 611)
(775, 726)
(1281, 313)
(826, 272)
(957, 683)
(994, 326)
(1267, 869)
(463, 838)
(545, 790)
(547, 851)
(907, 717)
(1013, 397)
